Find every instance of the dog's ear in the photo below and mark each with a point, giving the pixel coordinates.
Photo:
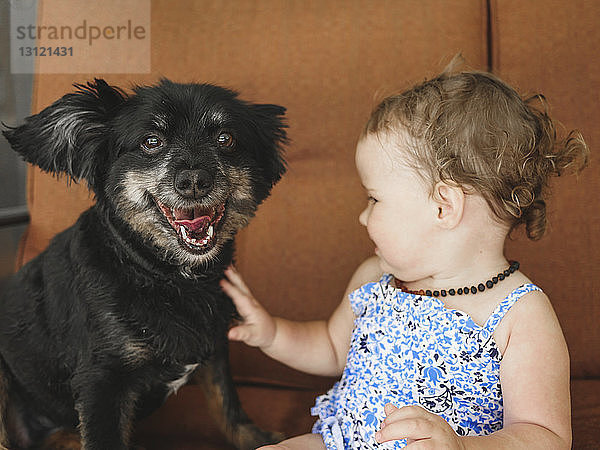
(71, 135)
(271, 130)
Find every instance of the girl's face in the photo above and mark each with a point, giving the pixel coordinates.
(400, 213)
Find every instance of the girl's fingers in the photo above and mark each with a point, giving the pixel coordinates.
(237, 334)
(244, 303)
(390, 408)
(408, 422)
(257, 326)
(234, 278)
(412, 429)
(251, 334)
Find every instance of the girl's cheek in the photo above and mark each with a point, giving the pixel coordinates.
(372, 232)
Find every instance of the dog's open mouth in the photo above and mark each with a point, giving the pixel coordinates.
(195, 227)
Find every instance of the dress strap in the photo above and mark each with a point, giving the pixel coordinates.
(505, 305)
(361, 298)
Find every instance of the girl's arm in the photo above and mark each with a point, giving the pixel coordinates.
(535, 386)
(317, 347)
(535, 377)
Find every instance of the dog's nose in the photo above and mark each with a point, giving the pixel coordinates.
(193, 183)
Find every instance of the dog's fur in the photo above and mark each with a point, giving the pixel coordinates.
(120, 310)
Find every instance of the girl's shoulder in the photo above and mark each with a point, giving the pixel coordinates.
(533, 312)
(367, 272)
(532, 303)
(360, 285)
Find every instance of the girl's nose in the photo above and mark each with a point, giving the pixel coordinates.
(362, 218)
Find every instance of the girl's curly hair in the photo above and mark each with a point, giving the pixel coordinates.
(473, 130)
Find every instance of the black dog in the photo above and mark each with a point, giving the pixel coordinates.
(125, 305)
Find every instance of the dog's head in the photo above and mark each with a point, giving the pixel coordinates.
(185, 165)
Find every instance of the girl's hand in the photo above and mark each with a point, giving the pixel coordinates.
(421, 428)
(257, 328)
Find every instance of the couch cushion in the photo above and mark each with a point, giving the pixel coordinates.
(184, 424)
(586, 413)
(554, 50)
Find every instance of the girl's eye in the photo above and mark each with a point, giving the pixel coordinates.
(152, 144)
(371, 200)
(225, 140)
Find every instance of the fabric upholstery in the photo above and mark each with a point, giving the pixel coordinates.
(556, 54)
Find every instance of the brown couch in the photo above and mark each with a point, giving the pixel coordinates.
(328, 62)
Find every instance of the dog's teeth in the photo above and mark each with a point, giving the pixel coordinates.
(185, 235)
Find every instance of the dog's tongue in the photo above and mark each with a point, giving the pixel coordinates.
(198, 223)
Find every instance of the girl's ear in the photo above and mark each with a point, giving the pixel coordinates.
(450, 202)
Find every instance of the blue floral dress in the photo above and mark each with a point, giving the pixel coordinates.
(410, 349)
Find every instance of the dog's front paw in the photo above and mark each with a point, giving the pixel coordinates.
(62, 440)
(250, 437)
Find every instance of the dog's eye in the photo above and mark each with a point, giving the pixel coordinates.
(225, 140)
(152, 143)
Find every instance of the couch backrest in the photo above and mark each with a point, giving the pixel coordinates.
(552, 47)
(329, 62)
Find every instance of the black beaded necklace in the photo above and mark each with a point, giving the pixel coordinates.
(512, 268)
